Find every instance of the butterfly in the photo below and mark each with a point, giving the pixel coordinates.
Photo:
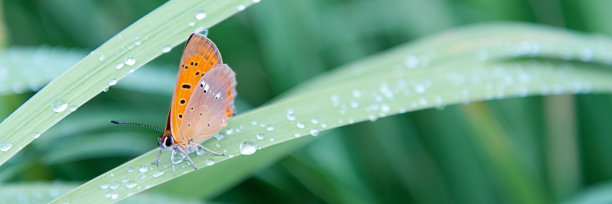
(202, 103)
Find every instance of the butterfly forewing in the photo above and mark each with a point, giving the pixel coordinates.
(210, 106)
(199, 56)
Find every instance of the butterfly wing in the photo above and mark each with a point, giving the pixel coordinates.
(199, 56)
(210, 105)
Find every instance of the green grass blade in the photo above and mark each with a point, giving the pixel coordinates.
(44, 192)
(470, 67)
(166, 26)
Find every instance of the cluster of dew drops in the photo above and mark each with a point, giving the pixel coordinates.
(134, 176)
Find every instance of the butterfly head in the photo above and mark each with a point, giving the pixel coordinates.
(166, 141)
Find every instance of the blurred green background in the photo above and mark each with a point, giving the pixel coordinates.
(534, 149)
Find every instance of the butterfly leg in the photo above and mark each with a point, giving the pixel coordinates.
(208, 150)
(189, 158)
(156, 162)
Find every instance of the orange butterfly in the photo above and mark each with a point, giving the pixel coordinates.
(202, 103)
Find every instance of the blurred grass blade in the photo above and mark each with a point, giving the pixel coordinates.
(166, 26)
(30, 68)
(467, 67)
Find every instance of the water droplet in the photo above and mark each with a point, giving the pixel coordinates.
(200, 15)
(101, 57)
(112, 82)
(210, 162)
(247, 148)
(129, 169)
(271, 139)
(36, 135)
(323, 125)
(218, 95)
(270, 128)
(59, 105)
(129, 60)
(112, 196)
(314, 132)
(356, 93)
(158, 173)
(256, 1)
(103, 186)
(191, 23)
(300, 125)
(229, 131)
(131, 184)
(166, 48)
(297, 134)
(420, 88)
(178, 159)
(119, 65)
(314, 121)
(143, 169)
(260, 136)
(124, 179)
(200, 151)
(241, 7)
(354, 104)
(290, 116)
(113, 185)
(411, 62)
(385, 108)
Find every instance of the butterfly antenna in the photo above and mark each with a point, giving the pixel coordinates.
(136, 124)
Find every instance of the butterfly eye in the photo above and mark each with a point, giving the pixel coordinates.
(168, 142)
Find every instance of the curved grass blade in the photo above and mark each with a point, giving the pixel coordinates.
(469, 68)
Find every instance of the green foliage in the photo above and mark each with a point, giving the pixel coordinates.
(522, 149)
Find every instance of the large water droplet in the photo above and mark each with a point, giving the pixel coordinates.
(5, 146)
(300, 125)
(256, 1)
(270, 128)
(200, 15)
(59, 105)
(210, 162)
(260, 136)
(314, 132)
(247, 148)
(166, 48)
(129, 60)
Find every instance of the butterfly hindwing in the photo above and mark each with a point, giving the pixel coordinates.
(210, 105)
